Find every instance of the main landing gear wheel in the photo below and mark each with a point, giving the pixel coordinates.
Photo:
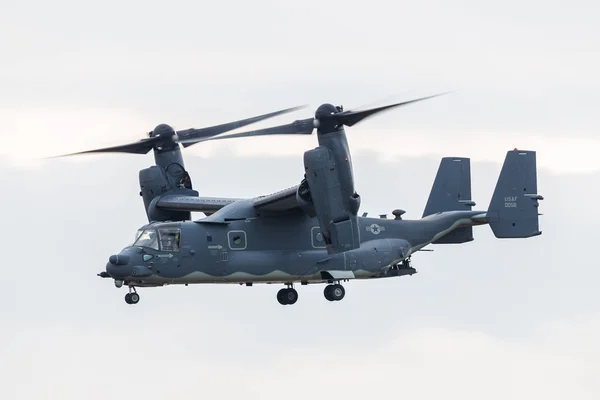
(287, 296)
(334, 292)
(132, 297)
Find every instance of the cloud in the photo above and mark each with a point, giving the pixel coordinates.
(39, 133)
(426, 362)
(538, 77)
(488, 319)
(33, 134)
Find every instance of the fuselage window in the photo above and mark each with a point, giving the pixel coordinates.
(237, 240)
(170, 238)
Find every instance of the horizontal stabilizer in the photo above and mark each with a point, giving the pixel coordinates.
(513, 210)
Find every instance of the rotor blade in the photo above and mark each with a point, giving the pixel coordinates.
(298, 127)
(350, 118)
(141, 147)
(190, 136)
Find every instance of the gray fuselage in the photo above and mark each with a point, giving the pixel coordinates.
(273, 249)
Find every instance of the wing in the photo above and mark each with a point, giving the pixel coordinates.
(294, 198)
(192, 203)
(281, 201)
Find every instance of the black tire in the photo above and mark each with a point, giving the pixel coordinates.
(291, 296)
(327, 292)
(281, 297)
(134, 298)
(128, 298)
(337, 292)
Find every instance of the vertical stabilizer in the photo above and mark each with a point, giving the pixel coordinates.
(451, 191)
(513, 210)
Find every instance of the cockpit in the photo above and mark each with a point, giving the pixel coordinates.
(161, 238)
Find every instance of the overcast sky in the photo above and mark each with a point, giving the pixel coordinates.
(490, 319)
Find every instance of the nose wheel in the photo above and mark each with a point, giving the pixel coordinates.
(132, 297)
(334, 292)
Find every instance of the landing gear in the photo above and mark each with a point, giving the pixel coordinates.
(401, 269)
(287, 296)
(334, 292)
(132, 297)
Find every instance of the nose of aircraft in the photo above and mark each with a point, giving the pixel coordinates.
(119, 259)
(122, 266)
(118, 266)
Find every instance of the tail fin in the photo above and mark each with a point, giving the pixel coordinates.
(451, 191)
(513, 210)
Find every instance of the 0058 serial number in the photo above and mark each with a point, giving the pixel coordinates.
(510, 202)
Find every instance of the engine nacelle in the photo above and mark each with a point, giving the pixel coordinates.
(156, 182)
(333, 200)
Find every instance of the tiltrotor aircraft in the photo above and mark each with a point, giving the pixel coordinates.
(310, 233)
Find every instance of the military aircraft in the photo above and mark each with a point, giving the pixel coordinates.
(309, 233)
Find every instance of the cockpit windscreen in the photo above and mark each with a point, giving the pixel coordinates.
(147, 238)
(162, 239)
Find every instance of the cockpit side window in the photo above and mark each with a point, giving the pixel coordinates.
(148, 238)
(137, 235)
(170, 238)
